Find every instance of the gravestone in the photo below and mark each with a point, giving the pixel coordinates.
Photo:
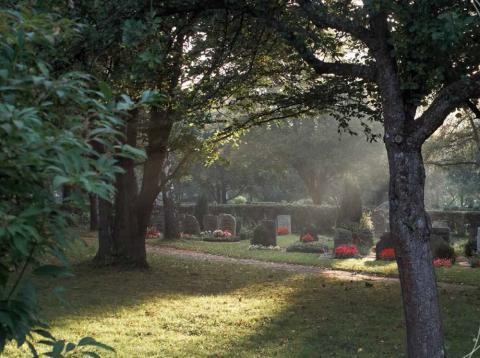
(342, 237)
(387, 241)
(228, 222)
(190, 225)
(478, 239)
(210, 222)
(284, 221)
(441, 228)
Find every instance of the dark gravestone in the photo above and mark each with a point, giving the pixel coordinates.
(342, 237)
(387, 241)
(228, 223)
(440, 228)
(191, 225)
(210, 222)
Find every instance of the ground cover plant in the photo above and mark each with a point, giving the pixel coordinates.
(183, 308)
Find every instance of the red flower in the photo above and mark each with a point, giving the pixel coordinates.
(442, 262)
(346, 251)
(282, 230)
(307, 238)
(387, 254)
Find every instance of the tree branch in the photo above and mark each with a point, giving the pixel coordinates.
(448, 98)
(320, 17)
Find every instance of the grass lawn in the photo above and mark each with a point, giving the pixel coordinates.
(186, 308)
(455, 274)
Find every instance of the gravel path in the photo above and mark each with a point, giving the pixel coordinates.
(325, 272)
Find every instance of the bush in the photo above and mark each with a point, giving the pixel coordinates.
(387, 254)
(386, 242)
(240, 200)
(441, 249)
(470, 248)
(307, 247)
(282, 230)
(342, 237)
(265, 234)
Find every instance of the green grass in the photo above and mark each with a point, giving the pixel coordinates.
(456, 274)
(186, 308)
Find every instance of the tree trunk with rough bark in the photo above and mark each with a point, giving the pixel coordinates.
(171, 228)
(93, 212)
(105, 227)
(409, 223)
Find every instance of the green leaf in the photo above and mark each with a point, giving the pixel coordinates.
(59, 180)
(58, 348)
(89, 341)
(91, 354)
(32, 350)
(44, 333)
(70, 347)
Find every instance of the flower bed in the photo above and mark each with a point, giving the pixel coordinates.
(346, 251)
(282, 230)
(261, 247)
(307, 238)
(153, 233)
(442, 262)
(308, 247)
(219, 236)
(387, 254)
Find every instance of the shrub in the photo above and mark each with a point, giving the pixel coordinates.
(470, 248)
(342, 237)
(441, 249)
(282, 230)
(346, 251)
(240, 200)
(307, 247)
(265, 234)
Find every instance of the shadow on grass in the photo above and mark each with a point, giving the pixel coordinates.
(228, 310)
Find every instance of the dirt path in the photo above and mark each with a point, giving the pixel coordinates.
(325, 272)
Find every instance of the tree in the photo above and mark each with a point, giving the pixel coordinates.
(419, 56)
(48, 120)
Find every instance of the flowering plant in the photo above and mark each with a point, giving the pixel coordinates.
(387, 254)
(282, 230)
(152, 233)
(261, 247)
(222, 234)
(346, 251)
(307, 238)
(442, 262)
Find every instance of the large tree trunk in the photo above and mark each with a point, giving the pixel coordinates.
(171, 228)
(409, 223)
(93, 212)
(105, 227)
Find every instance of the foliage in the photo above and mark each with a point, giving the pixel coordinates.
(307, 247)
(50, 122)
(470, 248)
